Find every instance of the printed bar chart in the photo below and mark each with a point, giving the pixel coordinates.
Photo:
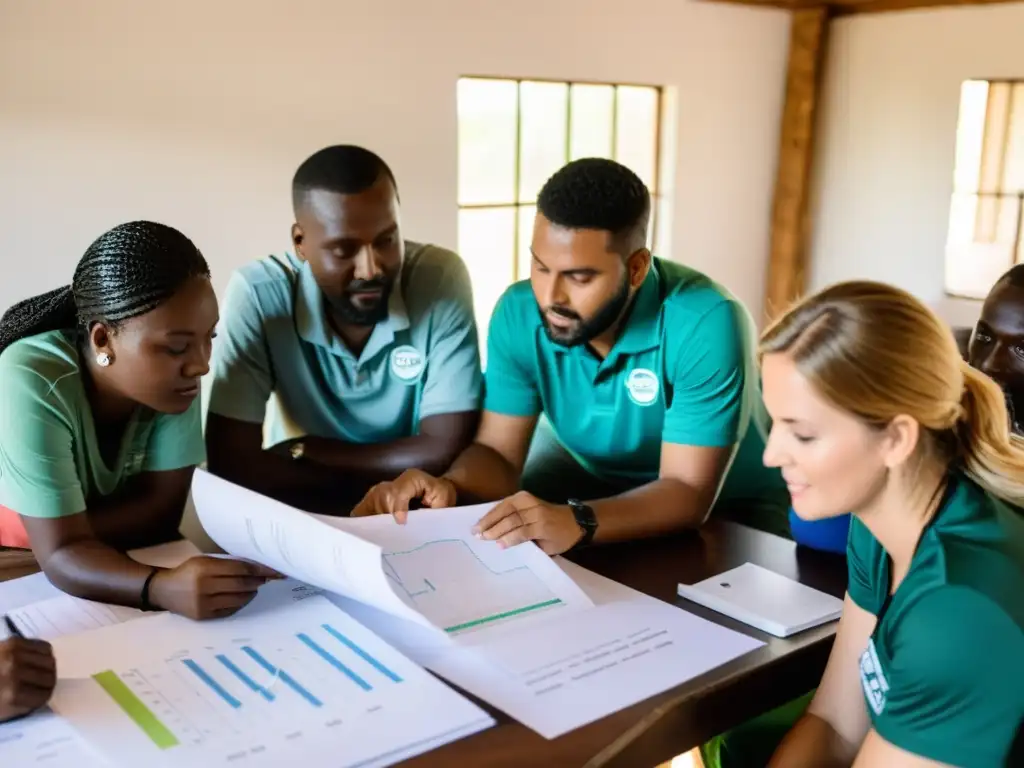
(308, 686)
(362, 654)
(333, 661)
(134, 707)
(284, 676)
(216, 687)
(246, 680)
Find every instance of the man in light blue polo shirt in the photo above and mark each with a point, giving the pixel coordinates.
(350, 361)
(644, 369)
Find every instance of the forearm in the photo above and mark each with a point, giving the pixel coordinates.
(482, 474)
(812, 742)
(132, 521)
(377, 462)
(662, 507)
(93, 570)
(299, 483)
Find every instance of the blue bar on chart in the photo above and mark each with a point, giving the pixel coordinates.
(284, 676)
(334, 662)
(361, 653)
(216, 687)
(251, 684)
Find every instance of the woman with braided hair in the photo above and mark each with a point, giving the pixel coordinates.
(100, 423)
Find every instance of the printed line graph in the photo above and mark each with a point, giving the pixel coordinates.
(450, 584)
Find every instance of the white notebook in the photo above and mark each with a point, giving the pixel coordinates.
(765, 600)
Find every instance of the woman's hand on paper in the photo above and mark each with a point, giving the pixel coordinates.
(209, 587)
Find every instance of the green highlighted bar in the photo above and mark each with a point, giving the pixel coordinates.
(136, 710)
(499, 616)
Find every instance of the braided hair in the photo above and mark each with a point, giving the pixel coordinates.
(125, 273)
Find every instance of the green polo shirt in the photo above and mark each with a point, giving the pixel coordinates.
(422, 360)
(50, 461)
(943, 673)
(684, 371)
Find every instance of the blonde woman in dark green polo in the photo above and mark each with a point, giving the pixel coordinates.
(873, 411)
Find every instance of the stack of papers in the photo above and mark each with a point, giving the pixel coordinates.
(326, 667)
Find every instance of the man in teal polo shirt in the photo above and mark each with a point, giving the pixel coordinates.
(644, 369)
(350, 361)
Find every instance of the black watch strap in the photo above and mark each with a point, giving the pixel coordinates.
(585, 519)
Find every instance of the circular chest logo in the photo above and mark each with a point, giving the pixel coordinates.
(407, 363)
(642, 386)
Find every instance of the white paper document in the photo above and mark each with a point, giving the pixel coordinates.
(42, 611)
(764, 599)
(303, 684)
(431, 571)
(567, 671)
(45, 740)
(65, 615)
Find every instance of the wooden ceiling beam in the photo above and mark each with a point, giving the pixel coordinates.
(788, 256)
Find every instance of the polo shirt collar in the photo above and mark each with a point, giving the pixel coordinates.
(642, 331)
(311, 318)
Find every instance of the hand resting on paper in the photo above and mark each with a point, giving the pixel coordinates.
(523, 517)
(394, 497)
(28, 674)
(209, 587)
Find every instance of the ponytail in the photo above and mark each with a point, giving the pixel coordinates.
(51, 311)
(992, 455)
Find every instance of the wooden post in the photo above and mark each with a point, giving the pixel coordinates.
(787, 259)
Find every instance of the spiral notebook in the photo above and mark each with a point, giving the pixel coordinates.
(765, 600)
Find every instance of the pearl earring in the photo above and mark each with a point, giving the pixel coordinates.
(103, 359)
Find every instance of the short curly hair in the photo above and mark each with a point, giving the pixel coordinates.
(595, 193)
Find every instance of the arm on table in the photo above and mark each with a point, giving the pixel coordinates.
(680, 498)
(329, 468)
(145, 512)
(832, 730)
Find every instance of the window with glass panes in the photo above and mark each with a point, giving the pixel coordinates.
(515, 133)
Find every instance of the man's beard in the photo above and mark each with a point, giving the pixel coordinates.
(349, 313)
(587, 330)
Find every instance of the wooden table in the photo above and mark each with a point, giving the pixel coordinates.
(654, 731)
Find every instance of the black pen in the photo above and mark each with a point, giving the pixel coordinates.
(12, 627)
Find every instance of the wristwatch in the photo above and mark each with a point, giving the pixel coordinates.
(297, 449)
(585, 519)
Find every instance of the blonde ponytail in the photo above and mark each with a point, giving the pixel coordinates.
(992, 454)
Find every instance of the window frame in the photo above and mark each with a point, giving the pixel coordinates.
(517, 205)
(999, 194)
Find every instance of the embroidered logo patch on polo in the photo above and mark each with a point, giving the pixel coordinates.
(407, 363)
(872, 678)
(642, 386)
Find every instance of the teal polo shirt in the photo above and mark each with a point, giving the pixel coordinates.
(943, 670)
(684, 370)
(274, 339)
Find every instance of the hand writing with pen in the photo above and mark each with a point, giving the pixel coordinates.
(28, 674)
